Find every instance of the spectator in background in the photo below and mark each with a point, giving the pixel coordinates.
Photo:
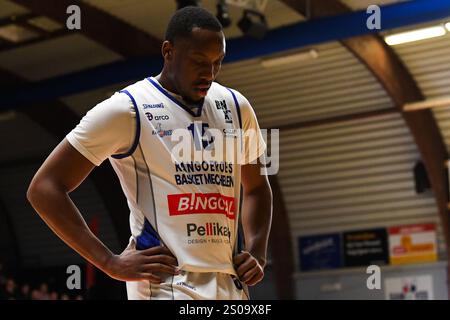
(36, 294)
(65, 297)
(24, 293)
(44, 291)
(10, 290)
(53, 295)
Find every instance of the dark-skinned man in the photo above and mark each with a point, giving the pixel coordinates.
(184, 209)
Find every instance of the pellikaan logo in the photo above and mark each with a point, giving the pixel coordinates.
(208, 229)
(222, 105)
(160, 131)
(153, 106)
(200, 203)
(150, 117)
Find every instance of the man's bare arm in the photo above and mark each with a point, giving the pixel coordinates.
(256, 222)
(62, 172)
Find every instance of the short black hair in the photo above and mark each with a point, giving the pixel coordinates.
(187, 18)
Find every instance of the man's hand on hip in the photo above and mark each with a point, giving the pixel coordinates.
(135, 265)
(248, 268)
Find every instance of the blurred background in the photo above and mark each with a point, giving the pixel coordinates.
(360, 95)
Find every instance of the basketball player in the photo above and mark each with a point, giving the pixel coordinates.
(183, 213)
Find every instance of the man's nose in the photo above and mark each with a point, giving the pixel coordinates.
(208, 73)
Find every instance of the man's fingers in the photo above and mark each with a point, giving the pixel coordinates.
(248, 268)
(153, 251)
(159, 267)
(161, 258)
(157, 250)
(255, 279)
(151, 277)
(250, 274)
(245, 266)
(241, 257)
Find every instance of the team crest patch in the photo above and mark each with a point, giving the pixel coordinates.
(222, 105)
(160, 131)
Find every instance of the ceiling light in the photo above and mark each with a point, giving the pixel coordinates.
(15, 33)
(447, 25)
(222, 13)
(415, 35)
(276, 61)
(45, 24)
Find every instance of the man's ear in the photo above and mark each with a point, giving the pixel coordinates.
(167, 50)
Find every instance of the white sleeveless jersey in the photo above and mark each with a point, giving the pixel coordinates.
(192, 207)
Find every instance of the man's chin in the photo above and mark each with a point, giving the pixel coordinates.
(195, 99)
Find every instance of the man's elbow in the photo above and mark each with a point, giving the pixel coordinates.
(33, 192)
(38, 190)
(263, 191)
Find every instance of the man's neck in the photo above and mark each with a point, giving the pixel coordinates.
(166, 84)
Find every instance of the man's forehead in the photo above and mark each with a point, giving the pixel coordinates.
(197, 52)
(198, 35)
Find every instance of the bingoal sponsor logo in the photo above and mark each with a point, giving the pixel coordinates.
(201, 203)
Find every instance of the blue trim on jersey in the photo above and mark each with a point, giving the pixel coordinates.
(168, 95)
(238, 108)
(148, 238)
(138, 130)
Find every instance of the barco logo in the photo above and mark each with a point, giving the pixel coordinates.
(198, 203)
(151, 117)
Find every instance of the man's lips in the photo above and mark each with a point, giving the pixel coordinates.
(202, 85)
(202, 90)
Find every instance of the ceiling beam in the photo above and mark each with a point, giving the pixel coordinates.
(17, 19)
(78, 82)
(42, 37)
(23, 21)
(100, 26)
(388, 68)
